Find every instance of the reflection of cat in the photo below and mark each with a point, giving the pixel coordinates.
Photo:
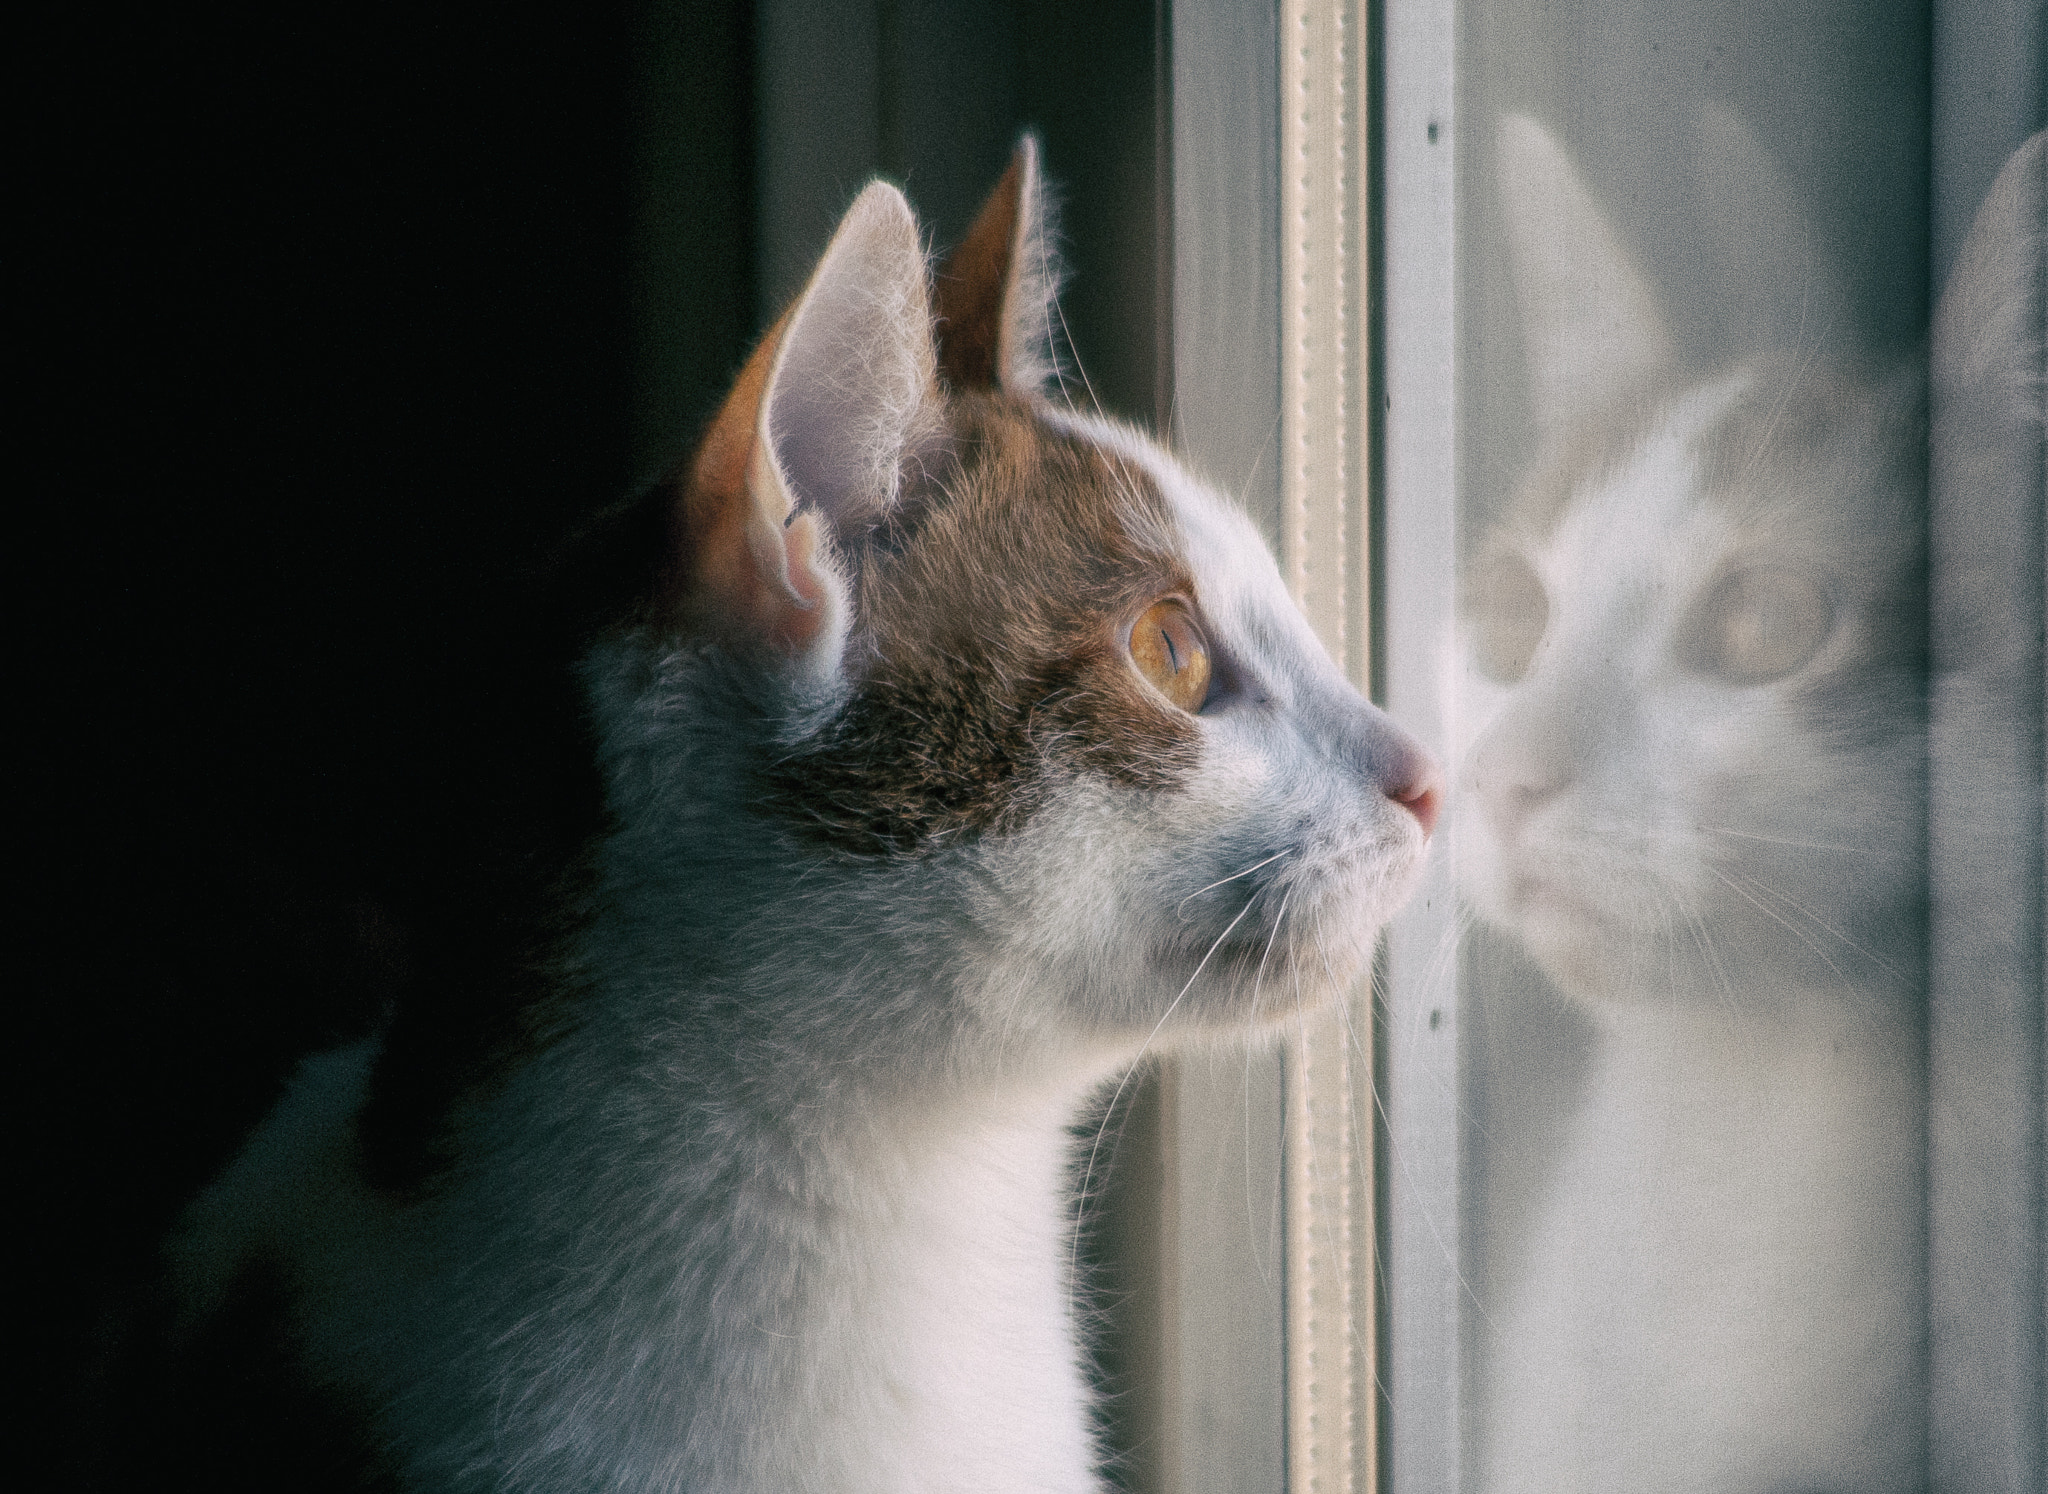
(1696, 798)
(953, 746)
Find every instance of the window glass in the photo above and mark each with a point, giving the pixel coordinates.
(1714, 1153)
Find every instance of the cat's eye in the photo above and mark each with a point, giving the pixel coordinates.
(1510, 610)
(1171, 652)
(1754, 626)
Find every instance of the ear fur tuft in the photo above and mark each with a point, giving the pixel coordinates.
(854, 385)
(996, 293)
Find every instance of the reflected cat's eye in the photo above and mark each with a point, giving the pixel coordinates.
(1510, 610)
(1171, 652)
(1754, 626)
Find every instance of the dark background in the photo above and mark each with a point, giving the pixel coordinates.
(330, 308)
(337, 320)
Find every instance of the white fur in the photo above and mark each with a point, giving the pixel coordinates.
(855, 380)
(1026, 357)
(789, 1209)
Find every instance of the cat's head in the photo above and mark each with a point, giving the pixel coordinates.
(1693, 643)
(949, 643)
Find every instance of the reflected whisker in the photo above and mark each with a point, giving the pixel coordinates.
(1789, 927)
(1780, 840)
(1820, 923)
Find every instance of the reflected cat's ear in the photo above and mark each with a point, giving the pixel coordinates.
(1771, 287)
(1988, 342)
(809, 450)
(1590, 325)
(996, 291)
(1989, 437)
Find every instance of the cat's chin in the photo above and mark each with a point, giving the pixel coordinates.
(1260, 984)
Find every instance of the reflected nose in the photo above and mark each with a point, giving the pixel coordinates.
(1511, 786)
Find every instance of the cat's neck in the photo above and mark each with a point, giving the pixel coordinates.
(899, 1277)
(817, 1185)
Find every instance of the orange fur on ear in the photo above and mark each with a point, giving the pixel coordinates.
(970, 287)
(994, 297)
(743, 574)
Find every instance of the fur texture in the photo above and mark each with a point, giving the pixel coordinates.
(902, 859)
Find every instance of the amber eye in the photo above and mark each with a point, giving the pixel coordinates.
(1171, 652)
(1754, 626)
(1509, 611)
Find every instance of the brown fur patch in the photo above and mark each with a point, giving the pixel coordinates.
(989, 646)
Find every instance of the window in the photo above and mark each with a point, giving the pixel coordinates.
(1714, 1122)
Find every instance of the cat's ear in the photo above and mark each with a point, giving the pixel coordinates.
(995, 292)
(1590, 325)
(1771, 287)
(808, 452)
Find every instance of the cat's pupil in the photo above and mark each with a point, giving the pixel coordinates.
(1512, 612)
(1755, 625)
(1169, 651)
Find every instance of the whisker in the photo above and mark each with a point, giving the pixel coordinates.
(1088, 1173)
(1074, 353)
(1401, 1161)
(1251, 1212)
(1177, 907)
(1258, 460)
(1278, 919)
(1331, 1219)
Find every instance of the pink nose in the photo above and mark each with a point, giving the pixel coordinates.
(1422, 797)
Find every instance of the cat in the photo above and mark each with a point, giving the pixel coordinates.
(1694, 798)
(956, 748)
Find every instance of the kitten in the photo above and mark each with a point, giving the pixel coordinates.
(1696, 801)
(956, 746)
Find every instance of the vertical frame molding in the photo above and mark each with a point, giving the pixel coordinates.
(1326, 1178)
(1987, 1160)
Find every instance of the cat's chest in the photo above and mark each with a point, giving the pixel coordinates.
(935, 1289)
